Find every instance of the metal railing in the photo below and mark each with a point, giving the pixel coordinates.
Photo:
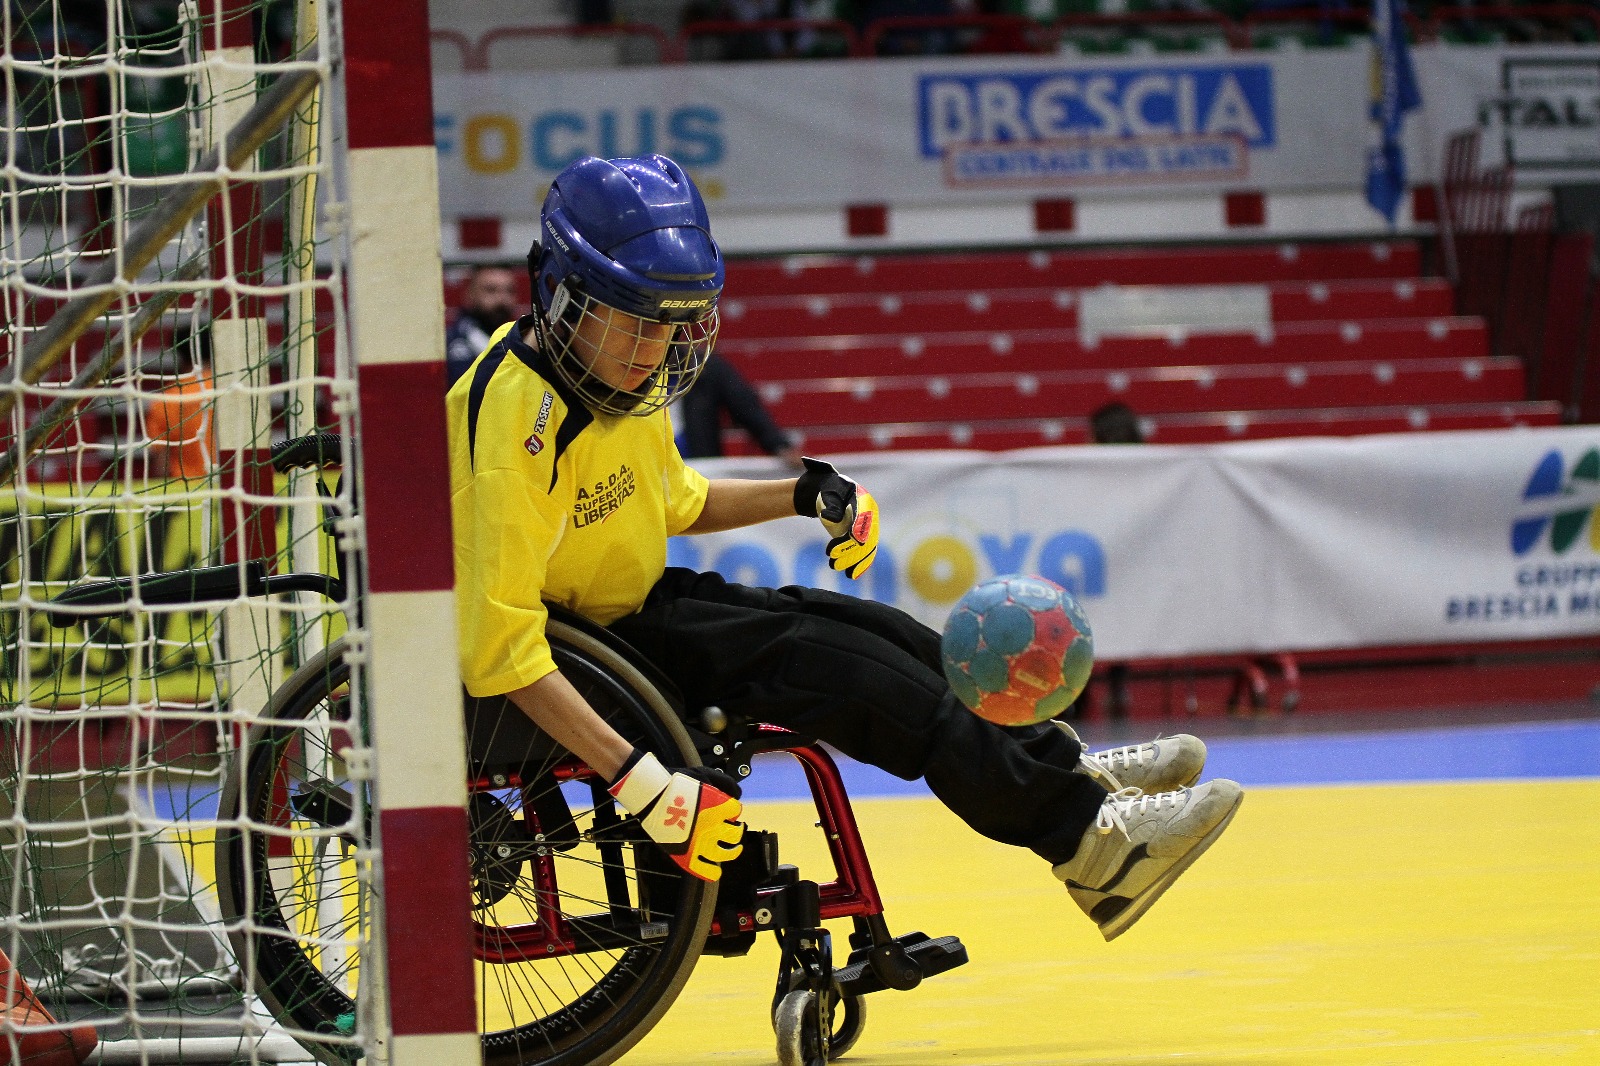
(994, 33)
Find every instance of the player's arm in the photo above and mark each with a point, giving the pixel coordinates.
(561, 711)
(733, 503)
(846, 510)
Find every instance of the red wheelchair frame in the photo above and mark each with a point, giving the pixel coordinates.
(852, 894)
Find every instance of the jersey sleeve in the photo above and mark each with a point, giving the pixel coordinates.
(683, 487)
(507, 526)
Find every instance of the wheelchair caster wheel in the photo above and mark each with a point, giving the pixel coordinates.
(849, 1019)
(803, 1032)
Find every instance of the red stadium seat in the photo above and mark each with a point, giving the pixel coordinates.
(810, 315)
(1191, 428)
(1067, 393)
(1062, 349)
(1210, 265)
(984, 349)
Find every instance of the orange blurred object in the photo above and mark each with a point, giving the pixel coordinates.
(180, 426)
(20, 1035)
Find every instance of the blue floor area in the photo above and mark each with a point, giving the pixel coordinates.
(1518, 750)
(1461, 753)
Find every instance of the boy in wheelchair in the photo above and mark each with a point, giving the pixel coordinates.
(566, 484)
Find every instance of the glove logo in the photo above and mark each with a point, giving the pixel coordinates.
(677, 814)
(863, 527)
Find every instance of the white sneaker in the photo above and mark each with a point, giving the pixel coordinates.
(1138, 847)
(1160, 765)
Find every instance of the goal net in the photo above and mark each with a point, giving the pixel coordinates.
(173, 306)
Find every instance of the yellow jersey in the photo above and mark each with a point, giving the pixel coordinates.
(551, 502)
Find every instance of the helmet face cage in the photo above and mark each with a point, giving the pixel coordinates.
(600, 351)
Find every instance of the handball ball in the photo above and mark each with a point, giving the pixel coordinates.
(1017, 650)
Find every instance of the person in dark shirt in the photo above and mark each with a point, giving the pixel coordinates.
(1114, 423)
(697, 418)
(489, 302)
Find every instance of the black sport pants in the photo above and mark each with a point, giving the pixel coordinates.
(865, 678)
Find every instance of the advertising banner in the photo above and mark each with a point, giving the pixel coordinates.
(1539, 108)
(65, 536)
(1259, 546)
(928, 130)
(973, 128)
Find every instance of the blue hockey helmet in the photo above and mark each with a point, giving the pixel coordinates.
(632, 235)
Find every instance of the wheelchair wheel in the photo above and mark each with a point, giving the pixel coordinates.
(585, 933)
(849, 1021)
(802, 1030)
(298, 916)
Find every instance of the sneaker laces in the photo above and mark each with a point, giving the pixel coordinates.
(1123, 803)
(1106, 764)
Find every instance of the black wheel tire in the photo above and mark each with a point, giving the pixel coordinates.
(849, 1021)
(597, 1027)
(291, 987)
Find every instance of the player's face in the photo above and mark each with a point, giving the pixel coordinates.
(618, 348)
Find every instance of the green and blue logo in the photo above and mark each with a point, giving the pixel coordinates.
(1570, 503)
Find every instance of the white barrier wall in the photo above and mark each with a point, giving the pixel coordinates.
(976, 129)
(1258, 546)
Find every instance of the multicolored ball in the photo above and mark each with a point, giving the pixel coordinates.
(1017, 649)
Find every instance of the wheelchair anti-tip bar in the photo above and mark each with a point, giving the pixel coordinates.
(201, 585)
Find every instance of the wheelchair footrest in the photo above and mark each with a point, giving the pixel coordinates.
(915, 955)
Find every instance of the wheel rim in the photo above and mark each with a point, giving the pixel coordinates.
(586, 1006)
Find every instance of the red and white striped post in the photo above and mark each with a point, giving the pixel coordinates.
(397, 327)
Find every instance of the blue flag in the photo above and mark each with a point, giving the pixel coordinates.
(1394, 92)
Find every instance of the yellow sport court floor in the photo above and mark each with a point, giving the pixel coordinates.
(1406, 896)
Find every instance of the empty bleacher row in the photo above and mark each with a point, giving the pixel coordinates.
(1002, 350)
(1009, 309)
(1203, 427)
(1256, 263)
(921, 350)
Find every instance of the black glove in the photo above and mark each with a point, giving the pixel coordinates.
(822, 492)
(847, 511)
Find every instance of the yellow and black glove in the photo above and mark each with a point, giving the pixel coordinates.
(692, 814)
(847, 511)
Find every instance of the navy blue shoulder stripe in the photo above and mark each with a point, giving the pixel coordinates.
(578, 418)
(480, 385)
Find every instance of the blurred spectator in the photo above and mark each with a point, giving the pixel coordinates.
(594, 12)
(183, 436)
(911, 41)
(765, 44)
(697, 418)
(1115, 423)
(810, 42)
(489, 302)
(768, 45)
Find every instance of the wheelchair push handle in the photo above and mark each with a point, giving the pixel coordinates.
(313, 449)
(181, 586)
(203, 584)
